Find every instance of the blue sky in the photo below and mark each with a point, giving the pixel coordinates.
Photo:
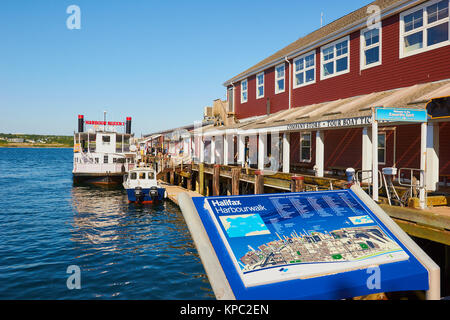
(160, 62)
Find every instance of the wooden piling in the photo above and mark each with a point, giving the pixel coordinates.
(235, 178)
(298, 184)
(189, 180)
(172, 176)
(259, 182)
(216, 181)
(201, 179)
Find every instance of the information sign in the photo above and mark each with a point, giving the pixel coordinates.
(401, 115)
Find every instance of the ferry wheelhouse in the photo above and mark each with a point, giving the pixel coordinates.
(101, 154)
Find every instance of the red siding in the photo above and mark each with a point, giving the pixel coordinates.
(393, 73)
(258, 107)
(408, 146)
(343, 148)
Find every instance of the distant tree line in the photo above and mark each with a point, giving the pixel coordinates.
(38, 139)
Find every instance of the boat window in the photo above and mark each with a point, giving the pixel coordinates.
(151, 176)
(142, 175)
(133, 176)
(106, 139)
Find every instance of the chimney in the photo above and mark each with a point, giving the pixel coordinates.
(80, 123)
(128, 126)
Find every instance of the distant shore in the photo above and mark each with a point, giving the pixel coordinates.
(32, 145)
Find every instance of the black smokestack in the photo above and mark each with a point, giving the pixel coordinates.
(80, 123)
(128, 126)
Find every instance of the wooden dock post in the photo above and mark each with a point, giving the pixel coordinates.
(298, 184)
(172, 176)
(189, 181)
(259, 182)
(235, 178)
(216, 180)
(201, 179)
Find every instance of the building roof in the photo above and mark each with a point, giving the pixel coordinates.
(416, 96)
(326, 33)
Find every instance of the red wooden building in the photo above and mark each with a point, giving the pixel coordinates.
(317, 94)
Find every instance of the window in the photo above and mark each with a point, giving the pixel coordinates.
(279, 78)
(106, 139)
(141, 175)
(151, 176)
(96, 160)
(424, 28)
(244, 91)
(335, 58)
(260, 85)
(305, 147)
(305, 70)
(370, 48)
(105, 159)
(133, 176)
(382, 148)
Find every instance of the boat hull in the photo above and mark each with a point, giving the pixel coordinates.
(98, 179)
(147, 198)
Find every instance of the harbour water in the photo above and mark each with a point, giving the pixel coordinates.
(123, 251)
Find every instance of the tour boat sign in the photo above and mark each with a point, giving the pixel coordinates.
(335, 123)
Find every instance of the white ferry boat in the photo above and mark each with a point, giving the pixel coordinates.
(102, 155)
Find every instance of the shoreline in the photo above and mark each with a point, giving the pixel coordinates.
(34, 147)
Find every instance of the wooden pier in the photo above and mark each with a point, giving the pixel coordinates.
(219, 180)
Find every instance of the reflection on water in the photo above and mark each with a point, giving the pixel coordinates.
(124, 251)
(153, 237)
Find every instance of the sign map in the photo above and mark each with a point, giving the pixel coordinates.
(275, 238)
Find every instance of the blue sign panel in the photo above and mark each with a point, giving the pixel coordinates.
(316, 245)
(401, 115)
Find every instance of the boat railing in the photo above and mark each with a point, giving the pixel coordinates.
(102, 167)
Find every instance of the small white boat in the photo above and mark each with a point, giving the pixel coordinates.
(142, 187)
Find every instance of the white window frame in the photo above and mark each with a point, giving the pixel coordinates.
(364, 48)
(425, 26)
(258, 85)
(382, 148)
(242, 91)
(305, 69)
(335, 58)
(277, 90)
(301, 147)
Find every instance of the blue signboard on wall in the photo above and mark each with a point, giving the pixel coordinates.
(316, 245)
(401, 115)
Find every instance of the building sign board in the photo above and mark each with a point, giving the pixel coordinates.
(335, 123)
(271, 246)
(401, 115)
